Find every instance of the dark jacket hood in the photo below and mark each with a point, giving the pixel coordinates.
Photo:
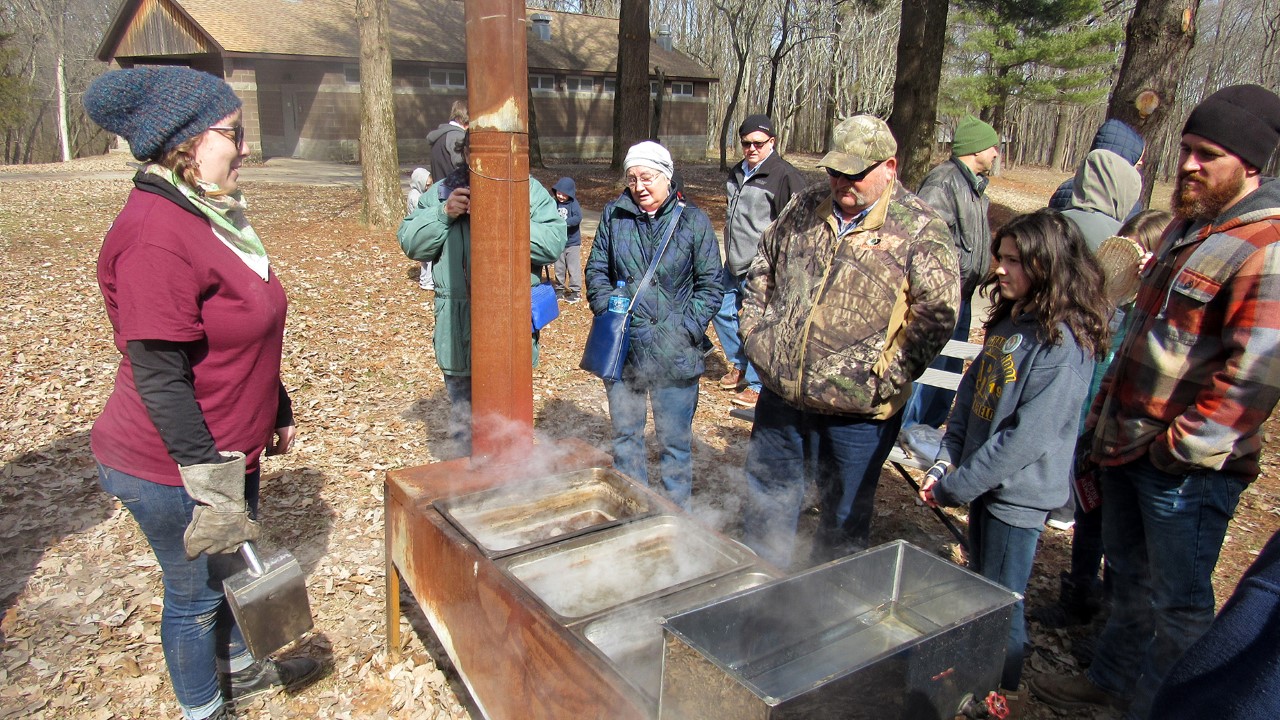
(567, 186)
(1116, 136)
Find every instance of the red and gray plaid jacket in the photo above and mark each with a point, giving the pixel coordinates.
(1199, 371)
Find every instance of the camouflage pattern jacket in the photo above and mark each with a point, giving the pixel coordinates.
(843, 325)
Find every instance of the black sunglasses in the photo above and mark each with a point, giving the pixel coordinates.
(836, 174)
(236, 136)
(757, 144)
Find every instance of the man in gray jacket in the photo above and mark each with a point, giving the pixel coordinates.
(757, 189)
(957, 190)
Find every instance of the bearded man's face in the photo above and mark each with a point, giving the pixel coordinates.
(1210, 179)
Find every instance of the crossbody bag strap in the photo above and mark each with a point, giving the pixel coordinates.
(653, 266)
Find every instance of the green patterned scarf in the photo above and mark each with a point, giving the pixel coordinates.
(224, 211)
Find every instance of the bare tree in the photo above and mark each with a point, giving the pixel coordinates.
(1158, 39)
(921, 41)
(631, 101)
(379, 160)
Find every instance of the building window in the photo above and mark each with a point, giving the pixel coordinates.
(580, 84)
(653, 88)
(681, 89)
(542, 83)
(351, 73)
(448, 78)
(610, 85)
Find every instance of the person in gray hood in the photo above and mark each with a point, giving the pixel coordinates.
(1106, 187)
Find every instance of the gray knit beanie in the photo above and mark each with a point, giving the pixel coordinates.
(158, 108)
(651, 155)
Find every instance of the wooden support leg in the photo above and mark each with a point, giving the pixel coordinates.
(393, 606)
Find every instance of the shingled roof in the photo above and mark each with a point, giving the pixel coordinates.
(327, 28)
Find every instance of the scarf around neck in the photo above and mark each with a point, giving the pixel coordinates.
(226, 212)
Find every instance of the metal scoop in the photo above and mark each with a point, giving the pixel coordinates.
(269, 601)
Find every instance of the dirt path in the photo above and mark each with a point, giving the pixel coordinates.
(79, 588)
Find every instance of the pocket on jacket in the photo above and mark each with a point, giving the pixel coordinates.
(1186, 306)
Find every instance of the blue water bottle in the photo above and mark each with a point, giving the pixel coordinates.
(618, 301)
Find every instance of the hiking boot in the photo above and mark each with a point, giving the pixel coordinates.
(733, 380)
(270, 675)
(222, 713)
(747, 398)
(1072, 692)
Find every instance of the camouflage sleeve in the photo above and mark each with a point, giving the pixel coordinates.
(758, 287)
(933, 294)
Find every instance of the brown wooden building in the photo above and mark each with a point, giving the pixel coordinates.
(295, 63)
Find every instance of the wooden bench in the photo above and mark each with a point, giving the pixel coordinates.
(898, 457)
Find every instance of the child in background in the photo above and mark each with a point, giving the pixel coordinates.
(1011, 436)
(1080, 594)
(569, 265)
(419, 181)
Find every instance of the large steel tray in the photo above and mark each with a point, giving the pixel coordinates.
(630, 637)
(590, 574)
(522, 515)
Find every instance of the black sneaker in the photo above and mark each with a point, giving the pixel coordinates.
(270, 676)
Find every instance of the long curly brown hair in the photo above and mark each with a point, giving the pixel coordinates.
(1066, 281)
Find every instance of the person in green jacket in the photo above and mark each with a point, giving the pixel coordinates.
(439, 231)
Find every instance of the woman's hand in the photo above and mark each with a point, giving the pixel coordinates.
(926, 492)
(281, 440)
(458, 203)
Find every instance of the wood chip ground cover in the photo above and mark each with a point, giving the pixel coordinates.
(80, 590)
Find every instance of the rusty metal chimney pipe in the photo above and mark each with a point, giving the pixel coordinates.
(501, 347)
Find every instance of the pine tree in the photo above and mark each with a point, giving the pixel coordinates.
(1061, 51)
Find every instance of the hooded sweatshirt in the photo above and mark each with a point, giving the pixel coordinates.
(571, 211)
(418, 183)
(1116, 136)
(1105, 187)
(445, 154)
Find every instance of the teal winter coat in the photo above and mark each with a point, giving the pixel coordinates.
(669, 319)
(429, 235)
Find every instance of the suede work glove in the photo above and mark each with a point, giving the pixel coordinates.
(221, 521)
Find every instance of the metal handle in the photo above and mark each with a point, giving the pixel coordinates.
(250, 554)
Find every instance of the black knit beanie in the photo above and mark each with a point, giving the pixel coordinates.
(158, 108)
(1244, 119)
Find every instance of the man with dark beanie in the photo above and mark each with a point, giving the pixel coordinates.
(757, 189)
(1178, 422)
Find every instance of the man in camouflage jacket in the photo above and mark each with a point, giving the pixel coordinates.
(854, 292)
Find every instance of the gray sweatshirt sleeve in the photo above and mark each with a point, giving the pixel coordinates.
(1042, 420)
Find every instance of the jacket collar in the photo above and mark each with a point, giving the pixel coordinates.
(874, 219)
(977, 182)
(148, 183)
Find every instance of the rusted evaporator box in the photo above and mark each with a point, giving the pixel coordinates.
(546, 587)
(891, 633)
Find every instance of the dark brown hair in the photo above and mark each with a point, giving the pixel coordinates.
(1145, 228)
(1065, 280)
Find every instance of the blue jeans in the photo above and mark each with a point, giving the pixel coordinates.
(1004, 554)
(459, 389)
(841, 453)
(1162, 534)
(726, 325)
(932, 405)
(674, 402)
(197, 629)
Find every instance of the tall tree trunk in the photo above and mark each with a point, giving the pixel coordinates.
(379, 160)
(1061, 133)
(1158, 39)
(631, 101)
(779, 53)
(921, 42)
(655, 130)
(740, 50)
(64, 143)
(535, 142)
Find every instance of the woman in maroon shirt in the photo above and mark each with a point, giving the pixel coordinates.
(198, 317)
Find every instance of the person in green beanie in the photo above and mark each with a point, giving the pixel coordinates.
(957, 190)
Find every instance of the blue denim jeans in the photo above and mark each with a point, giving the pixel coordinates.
(197, 629)
(458, 388)
(1004, 554)
(790, 447)
(674, 402)
(932, 405)
(1162, 534)
(726, 325)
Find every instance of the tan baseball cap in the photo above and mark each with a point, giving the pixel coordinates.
(859, 142)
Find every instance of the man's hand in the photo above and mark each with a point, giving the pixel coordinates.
(458, 204)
